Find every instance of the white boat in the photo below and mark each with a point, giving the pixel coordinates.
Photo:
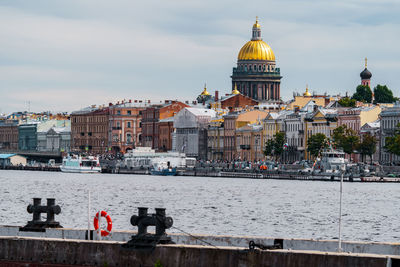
(146, 157)
(331, 160)
(80, 164)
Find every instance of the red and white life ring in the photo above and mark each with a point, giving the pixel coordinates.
(109, 223)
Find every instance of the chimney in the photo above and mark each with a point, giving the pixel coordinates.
(130, 100)
(296, 109)
(135, 101)
(148, 101)
(216, 95)
(110, 104)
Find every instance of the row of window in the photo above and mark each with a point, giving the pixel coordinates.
(389, 124)
(91, 128)
(186, 130)
(256, 67)
(89, 119)
(128, 112)
(293, 127)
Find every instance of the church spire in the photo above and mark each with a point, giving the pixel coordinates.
(256, 31)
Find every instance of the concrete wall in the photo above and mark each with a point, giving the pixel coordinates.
(381, 248)
(56, 252)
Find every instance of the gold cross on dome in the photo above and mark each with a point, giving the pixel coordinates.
(366, 62)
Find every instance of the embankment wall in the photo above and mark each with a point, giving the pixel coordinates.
(30, 251)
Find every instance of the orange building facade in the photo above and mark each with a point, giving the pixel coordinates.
(150, 124)
(125, 129)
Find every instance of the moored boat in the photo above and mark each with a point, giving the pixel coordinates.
(163, 168)
(80, 164)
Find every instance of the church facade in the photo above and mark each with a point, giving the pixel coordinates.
(256, 74)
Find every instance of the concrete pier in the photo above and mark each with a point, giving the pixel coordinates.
(30, 251)
(70, 247)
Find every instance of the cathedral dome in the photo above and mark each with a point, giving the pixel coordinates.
(256, 48)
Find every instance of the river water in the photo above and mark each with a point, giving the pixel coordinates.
(271, 208)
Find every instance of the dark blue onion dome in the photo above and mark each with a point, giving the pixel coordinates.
(365, 74)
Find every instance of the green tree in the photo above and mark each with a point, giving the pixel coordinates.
(269, 148)
(363, 93)
(383, 94)
(392, 143)
(338, 135)
(315, 143)
(346, 138)
(367, 146)
(347, 102)
(279, 142)
(274, 146)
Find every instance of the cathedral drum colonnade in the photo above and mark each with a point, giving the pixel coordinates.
(256, 75)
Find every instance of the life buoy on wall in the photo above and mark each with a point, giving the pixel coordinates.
(109, 223)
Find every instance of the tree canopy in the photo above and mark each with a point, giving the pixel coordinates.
(315, 143)
(368, 145)
(383, 94)
(347, 102)
(346, 138)
(274, 146)
(392, 143)
(363, 93)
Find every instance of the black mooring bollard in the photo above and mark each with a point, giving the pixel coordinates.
(37, 225)
(144, 240)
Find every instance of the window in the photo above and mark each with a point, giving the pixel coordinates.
(90, 133)
(119, 112)
(128, 138)
(82, 134)
(118, 124)
(128, 124)
(129, 112)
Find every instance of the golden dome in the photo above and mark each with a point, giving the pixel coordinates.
(235, 91)
(256, 50)
(205, 92)
(307, 93)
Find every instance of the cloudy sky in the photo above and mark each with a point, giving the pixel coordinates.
(62, 55)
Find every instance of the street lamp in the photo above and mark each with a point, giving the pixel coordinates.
(343, 168)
